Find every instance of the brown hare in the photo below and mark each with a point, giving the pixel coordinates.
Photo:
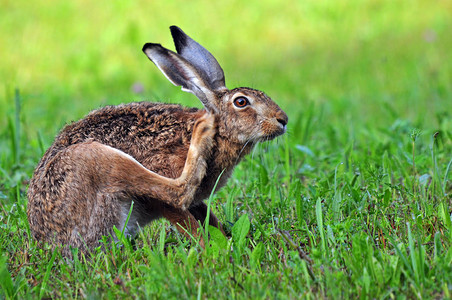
(164, 158)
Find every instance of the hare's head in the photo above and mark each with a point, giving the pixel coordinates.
(244, 114)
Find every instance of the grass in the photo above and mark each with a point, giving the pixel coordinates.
(354, 202)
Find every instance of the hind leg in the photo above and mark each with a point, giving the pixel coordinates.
(64, 193)
(116, 171)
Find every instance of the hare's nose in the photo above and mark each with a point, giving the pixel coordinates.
(282, 118)
(282, 121)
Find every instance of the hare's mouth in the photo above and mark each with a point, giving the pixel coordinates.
(272, 135)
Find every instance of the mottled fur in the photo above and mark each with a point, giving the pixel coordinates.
(165, 158)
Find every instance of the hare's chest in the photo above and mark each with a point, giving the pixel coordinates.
(212, 182)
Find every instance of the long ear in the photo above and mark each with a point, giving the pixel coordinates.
(181, 73)
(199, 57)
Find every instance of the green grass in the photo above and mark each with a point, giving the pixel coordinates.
(353, 202)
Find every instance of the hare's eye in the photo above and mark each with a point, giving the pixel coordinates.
(241, 102)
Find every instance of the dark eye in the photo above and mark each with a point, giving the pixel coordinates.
(241, 102)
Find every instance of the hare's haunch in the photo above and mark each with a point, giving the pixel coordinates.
(163, 157)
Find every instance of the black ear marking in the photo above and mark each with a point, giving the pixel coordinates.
(179, 37)
(150, 45)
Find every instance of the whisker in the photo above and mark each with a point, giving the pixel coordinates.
(253, 137)
(243, 148)
(254, 151)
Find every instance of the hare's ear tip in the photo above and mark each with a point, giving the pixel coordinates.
(179, 38)
(149, 46)
(175, 29)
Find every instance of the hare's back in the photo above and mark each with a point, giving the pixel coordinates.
(132, 124)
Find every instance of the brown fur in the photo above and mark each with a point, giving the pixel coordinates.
(163, 157)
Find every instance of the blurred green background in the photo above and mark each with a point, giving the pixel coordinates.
(368, 62)
(366, 85)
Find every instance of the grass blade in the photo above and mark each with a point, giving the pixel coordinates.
(49, 267)
(6, 281)
(319, 215)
